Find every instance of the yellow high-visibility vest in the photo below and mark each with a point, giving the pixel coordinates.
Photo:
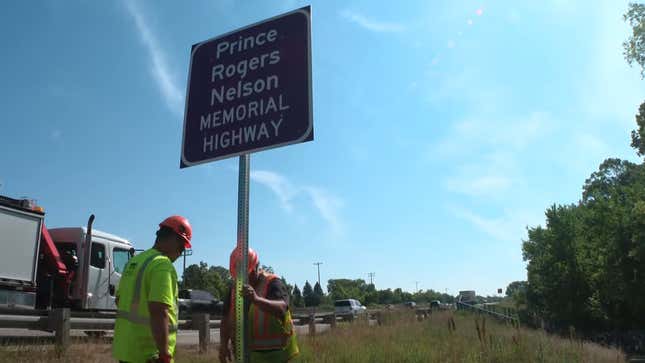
(133, 341)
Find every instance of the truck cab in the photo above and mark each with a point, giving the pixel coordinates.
(107, 258)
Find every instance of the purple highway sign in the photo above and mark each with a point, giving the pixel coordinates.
(249, 90)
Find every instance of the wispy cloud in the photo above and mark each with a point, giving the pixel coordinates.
(489, 174)
(484, 152)
(372, 25)
(326, 204)
(478, 185)
(464, 86)
(282, 188)
(585, 151)
(515, 133)
(563, 7)
(591, 144)
(160, 71)
(509, 227)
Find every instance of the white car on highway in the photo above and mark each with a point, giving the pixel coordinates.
(349, 307)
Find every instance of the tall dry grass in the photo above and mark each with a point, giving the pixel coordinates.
(444, 337)
(89, 352)
(448, 337)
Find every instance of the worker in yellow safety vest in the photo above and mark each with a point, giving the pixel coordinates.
(146, 323)
(271, 335)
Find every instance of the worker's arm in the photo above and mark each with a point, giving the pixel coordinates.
(161, 298)
(276, 308)
(159, 323)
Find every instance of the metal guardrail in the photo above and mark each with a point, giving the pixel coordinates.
(61, 321)
(478, 310)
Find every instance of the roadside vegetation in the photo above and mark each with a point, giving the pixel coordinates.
(448, 337)
(443, 337)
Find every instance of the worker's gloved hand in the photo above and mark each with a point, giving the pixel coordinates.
(225, 354)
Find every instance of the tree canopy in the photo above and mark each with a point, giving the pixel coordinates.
(214, 279)
(586, 266)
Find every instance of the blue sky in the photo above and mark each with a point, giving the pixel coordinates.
(442, 129)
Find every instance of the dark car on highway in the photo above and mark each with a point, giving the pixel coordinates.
(198, 301)
(410, 304)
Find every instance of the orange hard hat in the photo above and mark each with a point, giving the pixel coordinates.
(180, 226)
(236, 257)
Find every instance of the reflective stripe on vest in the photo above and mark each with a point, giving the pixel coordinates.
(133, 315)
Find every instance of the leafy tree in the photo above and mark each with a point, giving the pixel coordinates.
(297, 300)
(586, 267)
(371, 295)
(615, 199)
(318, 290)
(201, 277)
(308, 294)
(347, 289)
(639, 134)
(193, 276)
(223, 273)
(220, 279)
(430, 295)
(397, 296)
(515, 287)
(326, 300)
(385, 297)
(289, 288)
(634, 52)
(318, 294)
(516, 291)
(558, 285)
(634, 47)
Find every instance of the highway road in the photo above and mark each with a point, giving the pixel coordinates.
(185, 337)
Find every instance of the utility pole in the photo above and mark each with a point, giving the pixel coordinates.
(416, 284)
(188, 252)
(318, 265)
(371, 275)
